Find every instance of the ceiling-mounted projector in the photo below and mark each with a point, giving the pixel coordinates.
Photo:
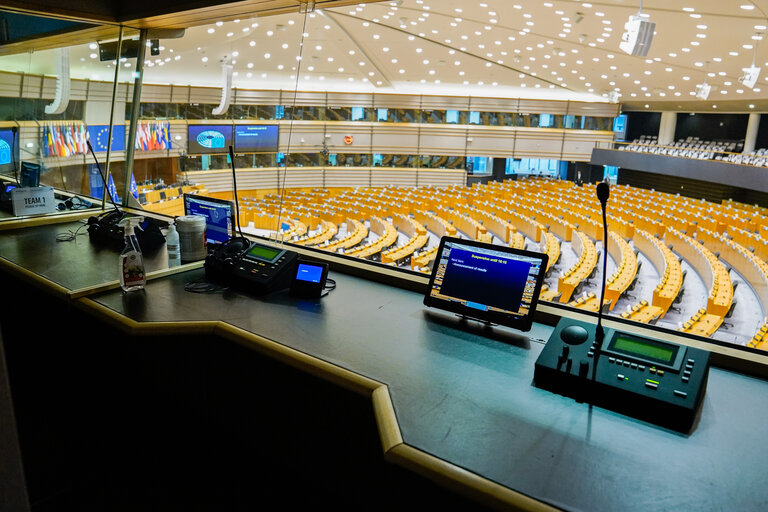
(702, 91)
(749, 78)
(638, 36)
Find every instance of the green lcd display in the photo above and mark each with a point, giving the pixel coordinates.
(644, 348)
(263, 253)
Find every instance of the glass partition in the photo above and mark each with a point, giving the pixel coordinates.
(58, 88)
(347, 168)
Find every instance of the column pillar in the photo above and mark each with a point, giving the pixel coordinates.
(667, 128)
(751, 137)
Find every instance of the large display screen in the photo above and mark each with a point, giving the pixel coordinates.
(205, 139)
(219, 216)
(256, 138)
(494, 283)
(8, 150)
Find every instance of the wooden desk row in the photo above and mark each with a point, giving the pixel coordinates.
(571, 278)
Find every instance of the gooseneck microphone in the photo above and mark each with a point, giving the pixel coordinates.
(603, 192)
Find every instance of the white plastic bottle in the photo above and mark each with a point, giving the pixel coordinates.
(132, 276)
(173, 246)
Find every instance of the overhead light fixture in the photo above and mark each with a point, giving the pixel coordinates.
(750, 76)
(752, 73)
(703, 90)
(639, 34)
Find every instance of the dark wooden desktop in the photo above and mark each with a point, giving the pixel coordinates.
(177, 398)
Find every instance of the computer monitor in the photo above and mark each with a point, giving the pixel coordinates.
(257, 138)
(219, 216)
(204, 139)
(492, 283)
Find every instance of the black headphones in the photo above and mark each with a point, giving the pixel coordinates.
(74, 203)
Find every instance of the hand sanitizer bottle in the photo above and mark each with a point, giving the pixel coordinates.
(173, 246)
(132, 277)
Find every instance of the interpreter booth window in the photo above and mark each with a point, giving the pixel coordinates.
(478, 165)
(43, 141)
(452, 117)
(382, 115)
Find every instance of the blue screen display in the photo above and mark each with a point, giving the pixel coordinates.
(204, 139)
(218, 217)
(6, 148)
(309, 273)
(256, 138)
(485, 281)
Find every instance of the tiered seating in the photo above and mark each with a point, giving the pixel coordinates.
(588, 301)
(169, 200)
(643, 312)
(356, 233)
(547, 294)
(692, 147)
(622, 278)
(713, 273)
(518, 241)
(435, 224)
(420, 261)
(666, 264)
(551, 247)
(387, 236)
(327, 231)
(702, 323)
(418, 239)
(567, 283)
(462, 222)
(296, 228)
(761, 337)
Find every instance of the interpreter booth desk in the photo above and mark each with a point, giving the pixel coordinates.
(452, 400)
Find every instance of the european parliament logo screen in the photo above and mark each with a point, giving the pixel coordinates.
(209, 139)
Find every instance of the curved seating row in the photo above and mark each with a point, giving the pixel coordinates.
(571, 278)
(666, 264)
(625, 272)
(387, 236)
(356, 233)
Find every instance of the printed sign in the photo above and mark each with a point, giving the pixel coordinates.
(33, 200)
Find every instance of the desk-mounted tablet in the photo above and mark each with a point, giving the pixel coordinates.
(491, 283)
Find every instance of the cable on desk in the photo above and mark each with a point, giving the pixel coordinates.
(69, 235)
(328, 289)
(203, 286)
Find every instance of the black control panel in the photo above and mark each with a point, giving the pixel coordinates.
(251, 266)
(653, 380)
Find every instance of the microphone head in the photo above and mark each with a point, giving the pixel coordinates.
(603, 192)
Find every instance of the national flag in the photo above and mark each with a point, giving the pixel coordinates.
(112, 189)
(134, 187)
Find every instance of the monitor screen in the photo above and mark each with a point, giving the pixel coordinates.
(493, 283)
(309, 273)
(219, 216)
(8, 150)
(256, 138)
(207, 139)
